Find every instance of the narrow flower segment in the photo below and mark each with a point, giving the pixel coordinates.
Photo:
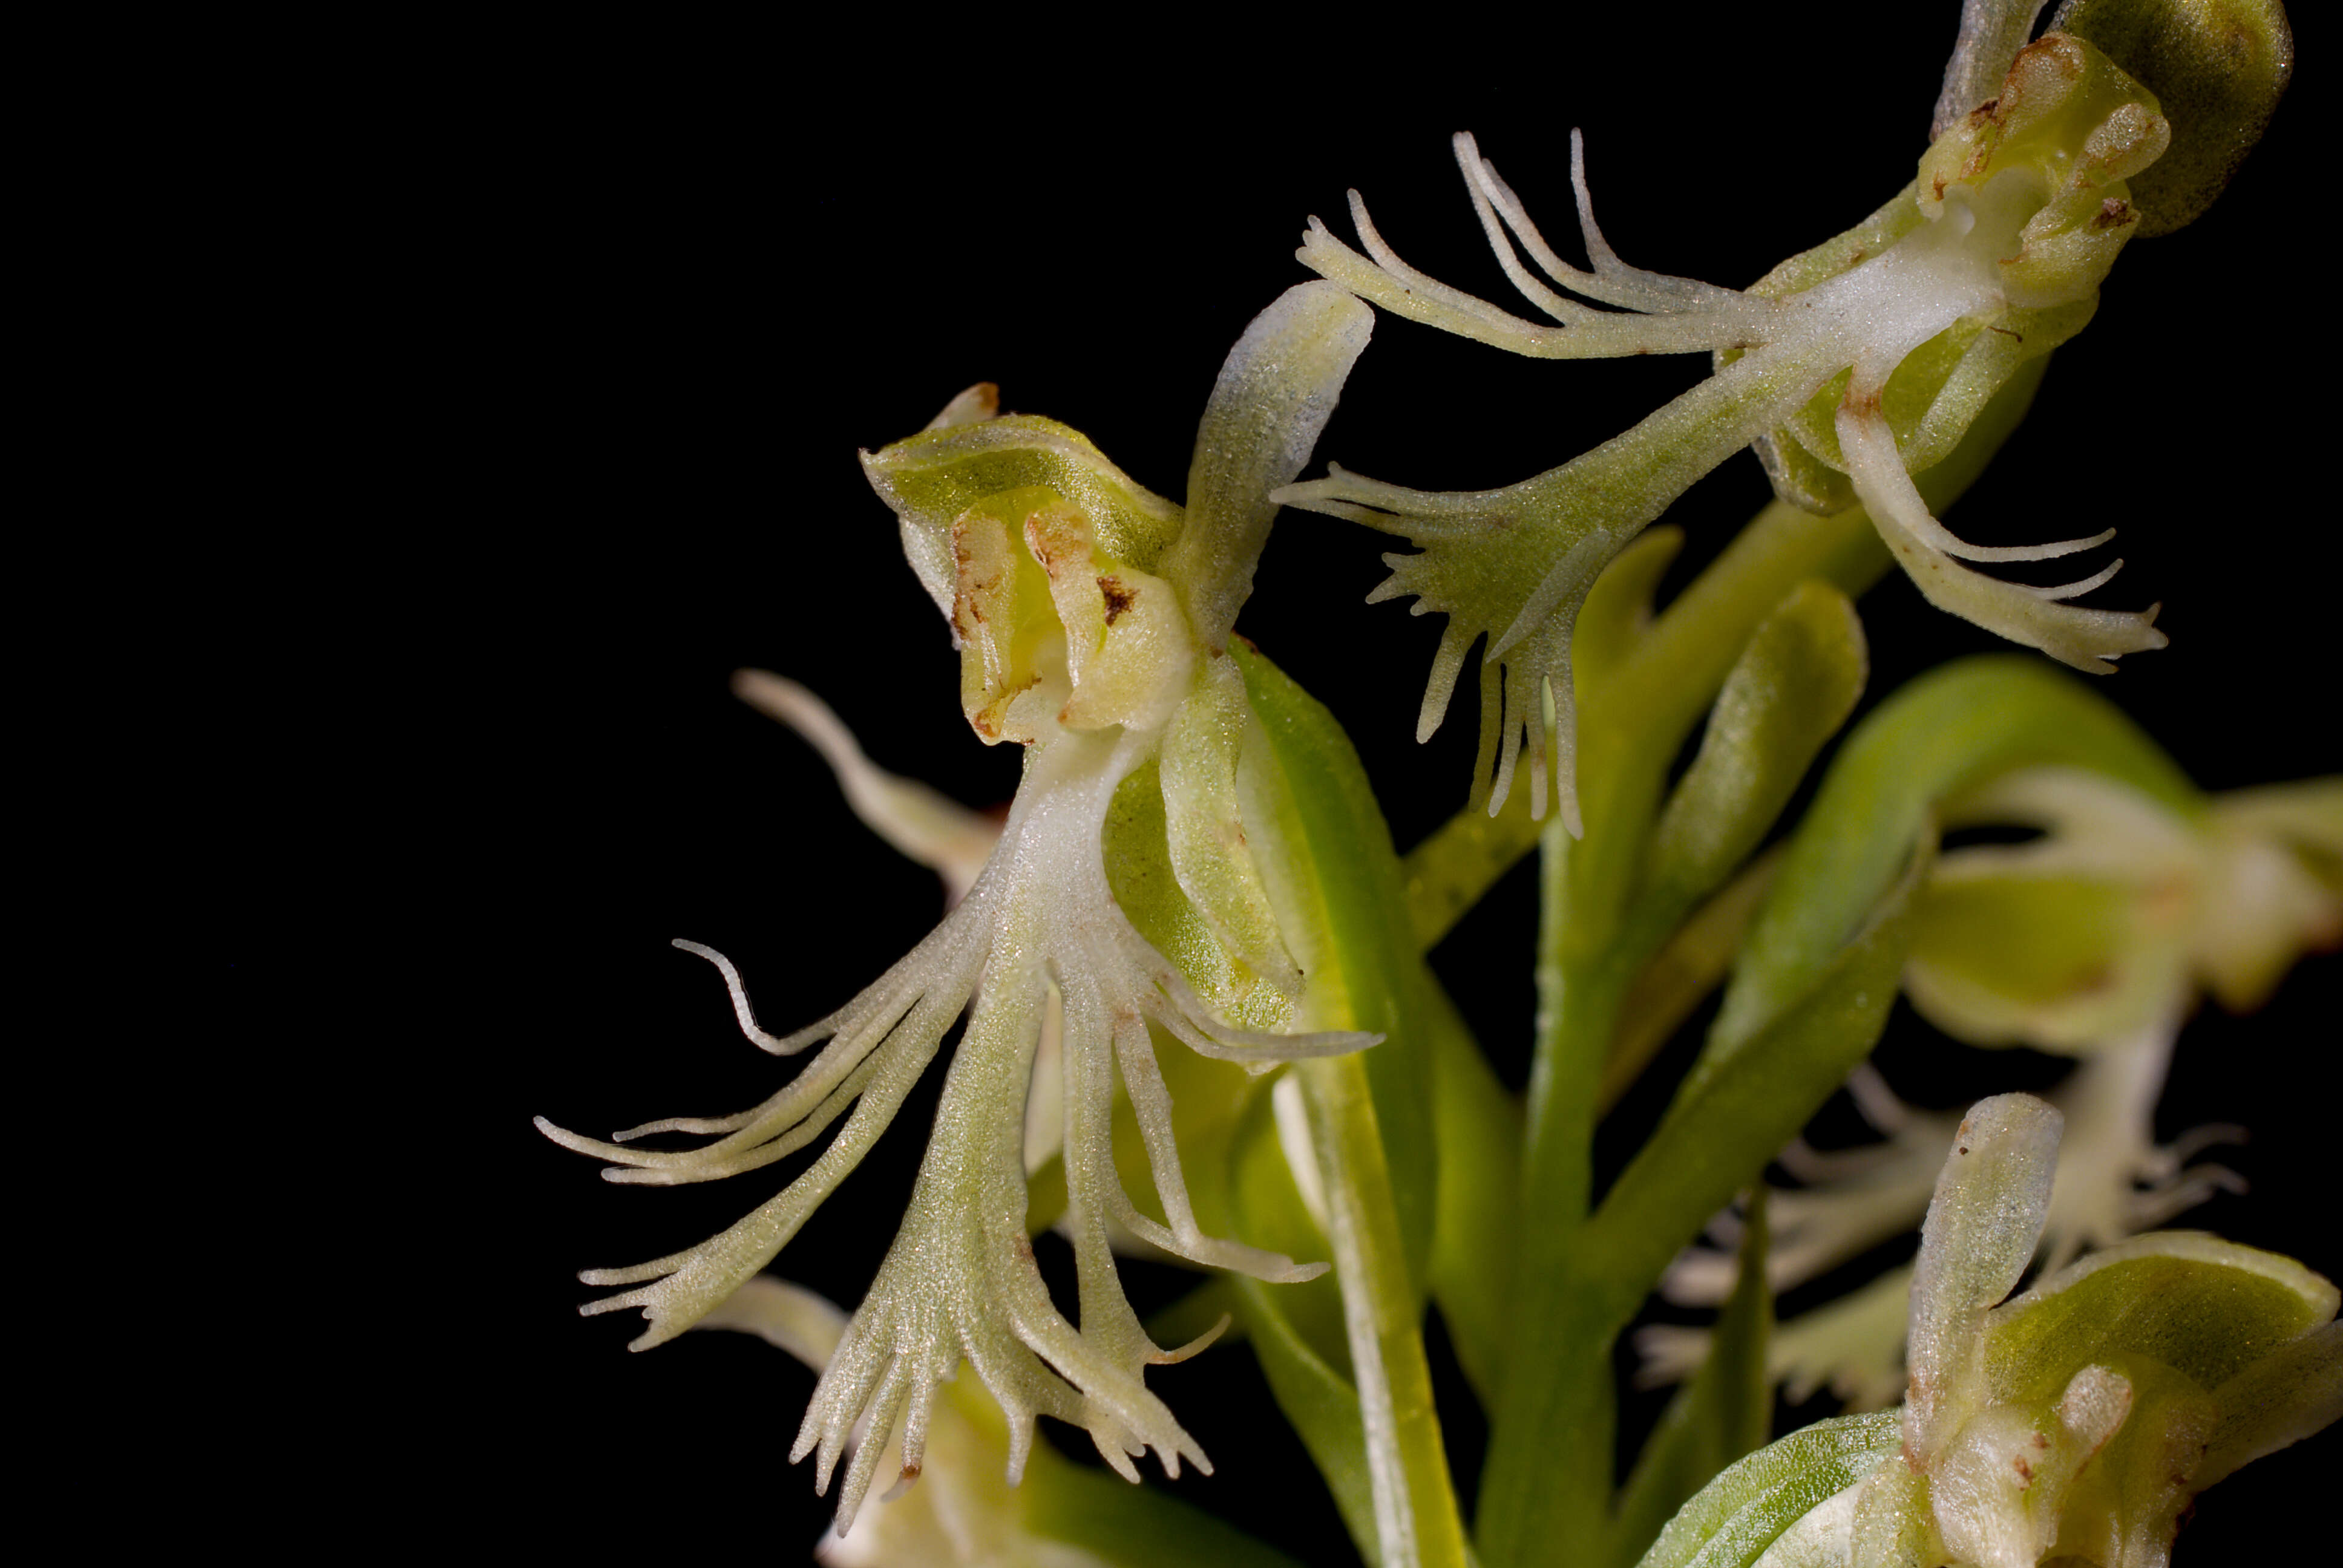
(1850, 368)
(1091, 619)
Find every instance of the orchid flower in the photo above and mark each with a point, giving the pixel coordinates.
(2094, 941)
(1850, 368)
(1091, 619)
(2075, 1421)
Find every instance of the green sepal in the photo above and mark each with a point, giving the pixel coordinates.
(1725, 1411)
(1200, 763)
(1139, 868)
(1930, 401)
(1734, 1518)
(1942, 386)
(1208, 1097)
(1800, 478)
(2204, 1307)
(930, 478)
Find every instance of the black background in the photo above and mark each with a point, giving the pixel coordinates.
(606, 317)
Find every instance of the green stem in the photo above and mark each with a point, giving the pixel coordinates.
(1552, 1386)
(1417, 1524)
(1475, 1228)
(1548, 1476)
(1451, 871)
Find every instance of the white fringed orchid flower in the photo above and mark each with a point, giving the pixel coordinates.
(2073, 1422)
(1093, 618)
(1850, 367)
(2094, 941)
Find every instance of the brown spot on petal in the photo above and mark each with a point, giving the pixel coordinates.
(1119, 598)
(2025, 1471)
(2114, 214)
(910, 1472)
(2097, 977)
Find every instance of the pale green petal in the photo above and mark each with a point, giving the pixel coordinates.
(1275, 392)
(1977, 1241)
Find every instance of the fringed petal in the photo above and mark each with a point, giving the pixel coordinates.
(926, 825)
(1690, 318)
(2087, 639)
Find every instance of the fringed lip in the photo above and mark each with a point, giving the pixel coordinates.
(960, 1280)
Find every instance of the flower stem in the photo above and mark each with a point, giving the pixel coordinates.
(1550, 1461)
(1417, 1523)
